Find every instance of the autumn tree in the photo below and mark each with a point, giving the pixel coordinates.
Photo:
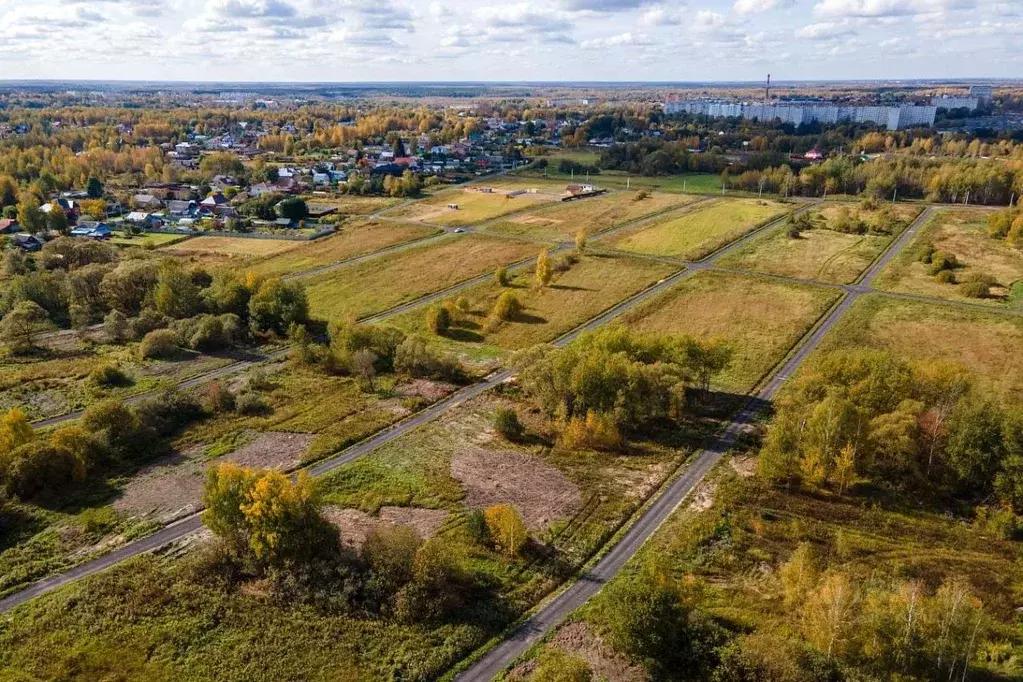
(543, 272)
(507, 530)
(20, 326)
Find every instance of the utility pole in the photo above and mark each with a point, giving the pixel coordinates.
(895, 194)
(1012, 199)
(967, 202)
(628, 183)
(683, 185)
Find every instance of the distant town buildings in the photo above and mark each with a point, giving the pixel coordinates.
(953, 102)
(893, 118)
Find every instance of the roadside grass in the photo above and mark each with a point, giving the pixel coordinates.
(821, 253)
(229, 251)
(694, 234)
(382, 283)
(168, 618)
(474, 206)
(759, 318)
(353, 204)
(964, 234)
(354, 238)
(986, 344)
(594, 215)
(586, 289)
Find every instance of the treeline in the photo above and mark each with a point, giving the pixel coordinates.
(866, 416)
(650, 156)
(74, 283)
(983, 181)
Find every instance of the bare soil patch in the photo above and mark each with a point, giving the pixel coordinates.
(425, 389)
(606, 663)
(745, 466)
(541, 493)
(355, 525)
(172, 487)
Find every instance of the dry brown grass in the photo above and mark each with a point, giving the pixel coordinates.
(382, 283)
(761, 319)
(354, 238)
(964, 234)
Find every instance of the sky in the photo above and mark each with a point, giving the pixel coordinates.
(531, 40)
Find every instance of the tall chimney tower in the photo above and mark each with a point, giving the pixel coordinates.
(767, 90)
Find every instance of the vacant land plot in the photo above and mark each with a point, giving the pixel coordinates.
(353, 239)
(962, 233)
(590, 286)
(382, 283)
(149, 240)
(352, 204)
(760, 319)
(695, 234)
(231, 251)
(591, 216)
(987, 344)
(696, 183)
(821, 253)
(54, 382)
(471, 205)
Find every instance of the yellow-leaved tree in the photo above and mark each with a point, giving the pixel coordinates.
(506, 528)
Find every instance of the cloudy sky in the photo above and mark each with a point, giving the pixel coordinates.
(452, 40)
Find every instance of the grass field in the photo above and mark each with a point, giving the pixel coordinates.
(587, 288)
(987, 344)
(594, 215)
(695, 183)
(693, 235)
(230, 251)
(964, 234)
(381, 283)
(821, 253)
(354, 238)
(761, 319)
(473, 206)
(352, 204)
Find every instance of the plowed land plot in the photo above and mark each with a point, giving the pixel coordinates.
(564, 221)
(760, 319)
(579, 639)
(962, 233)
(473, 206)
(173, 487)
(355, 238)
(986, 344)
(590, 286)
(822, 253)
(695, 234)
(356, 525)
(231, 251)
(541, 493)
(382, 283)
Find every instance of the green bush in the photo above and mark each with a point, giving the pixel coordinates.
(108, 376)
(476, 527)
(975, 289)
(507, 423)
(252, 404)
(219, 398)
(501, 276)
(945, 277)
(506, 307)
(148, 320)
(943, 261)
(438, 319)
(160, 343)
(97, 521)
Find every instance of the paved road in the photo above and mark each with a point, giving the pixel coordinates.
(555, 611)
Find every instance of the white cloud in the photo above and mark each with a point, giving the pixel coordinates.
(754, 6)
(825, 30)
(628, 38)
